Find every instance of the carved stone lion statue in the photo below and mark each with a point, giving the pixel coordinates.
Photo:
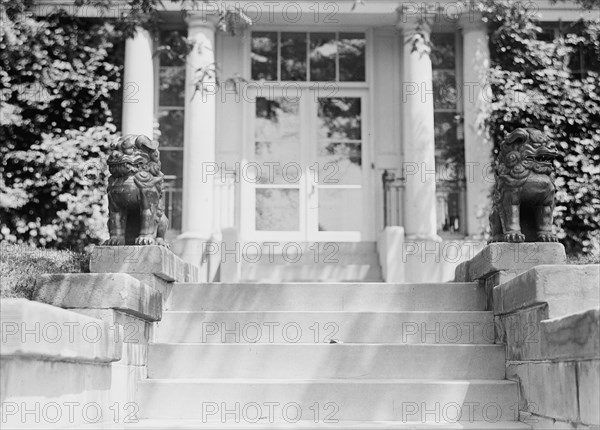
(135, 188)
(523, 197)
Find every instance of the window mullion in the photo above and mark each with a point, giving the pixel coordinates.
(337, 56)
(307, 41)
(279, 55)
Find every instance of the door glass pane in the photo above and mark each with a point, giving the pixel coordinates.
(445, 95)
(339, 163)
(172, 165)
(171, 86)
(339, 118)
(352, 56)
(442, 51)
(323, 50)
(277, 119)
(170, 123)
(277, 141)
(264, 55)
(277, 162)
(293, 56)
(340, 209)
(277, 209)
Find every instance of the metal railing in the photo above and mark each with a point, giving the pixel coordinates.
(393, 198)
(393, 203)
(172, 198)
(224, 190)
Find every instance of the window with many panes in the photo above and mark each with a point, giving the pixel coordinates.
(170, 114)
(583, 59)
(308, 56)
(449, 146)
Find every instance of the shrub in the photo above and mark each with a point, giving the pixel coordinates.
(59, 81)
(533, 86)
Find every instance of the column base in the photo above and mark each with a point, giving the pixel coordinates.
(423, 237)
(195, 248)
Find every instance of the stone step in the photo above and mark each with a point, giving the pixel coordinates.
(454, 296)
(450, 327)
(318, 249)
(295, 256)
(311, 272)
(326, 361)
(264, 424)
(352, 400)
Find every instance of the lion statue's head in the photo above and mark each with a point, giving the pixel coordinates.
(525, 150)
(133, 154)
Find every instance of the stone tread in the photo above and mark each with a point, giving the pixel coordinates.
(153, 424)
(315, 296)
(327, 361)
(408, 327)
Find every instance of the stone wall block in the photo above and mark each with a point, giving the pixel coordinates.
(77, 390)
(155, 259)
(159, 284)
(519, 372)
(552, 390)
(100, 291)
(575, 336)
(37, 330)
(133, 329)
(503, 256)
(521, 333)
(566, 289)
(537, 422)
(588, 378)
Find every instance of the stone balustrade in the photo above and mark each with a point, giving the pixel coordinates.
(73, 356)
(547, 314)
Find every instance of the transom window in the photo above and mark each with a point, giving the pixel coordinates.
(304, 56)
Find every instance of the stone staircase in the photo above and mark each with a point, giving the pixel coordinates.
(310, 262)
(326, 355)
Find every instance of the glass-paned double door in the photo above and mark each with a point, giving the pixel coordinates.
(306, 165)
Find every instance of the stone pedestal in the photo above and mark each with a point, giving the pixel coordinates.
(509, 259)
(499, 262)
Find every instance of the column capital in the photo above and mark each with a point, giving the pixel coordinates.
(413, 16)
(199, 18)
(472, 21)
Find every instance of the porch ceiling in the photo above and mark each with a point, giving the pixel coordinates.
(369, 13)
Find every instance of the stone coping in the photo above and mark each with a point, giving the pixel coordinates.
(154, 259)
(565, 288)
(100, 291)
(572, 336)
(36, 330)
(502, 256)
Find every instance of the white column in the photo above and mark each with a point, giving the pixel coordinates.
(418, 135)
(199, 141)
(138, 85)
(478, 146)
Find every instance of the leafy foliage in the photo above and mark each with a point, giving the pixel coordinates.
(60, 79)
(59, 82)
(533, 86)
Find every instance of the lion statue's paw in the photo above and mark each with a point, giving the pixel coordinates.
(114, 241)
(144, 240)
(514, 236)
(547, 237)
(160, 241)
